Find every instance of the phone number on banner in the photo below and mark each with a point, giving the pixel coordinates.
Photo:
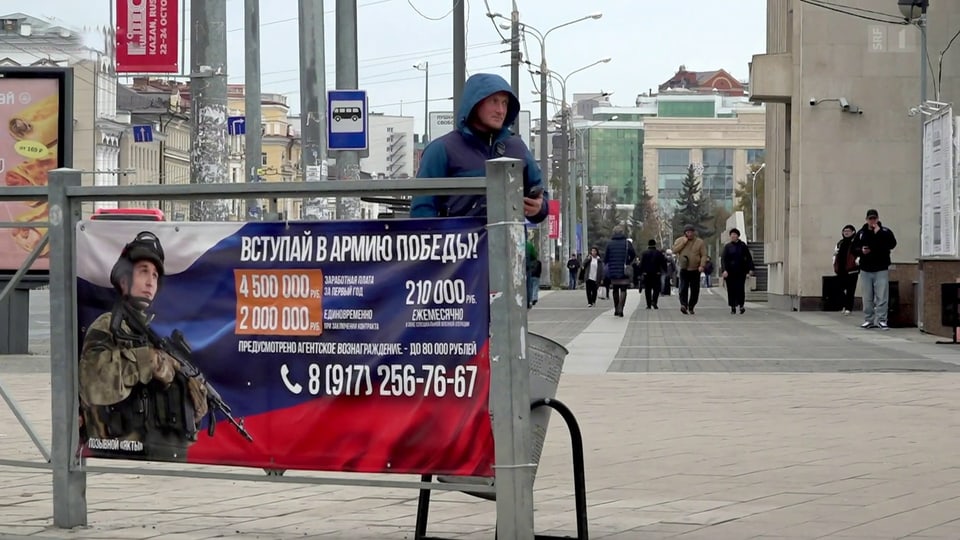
(392, 380)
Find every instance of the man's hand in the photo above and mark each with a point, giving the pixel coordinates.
(865, 250)
(700, 269)
(532, 206)
(724, 274)
(164, 366)
(198, 395)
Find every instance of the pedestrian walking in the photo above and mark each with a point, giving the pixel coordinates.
(619, 256)
(653, 265)
(736, 263)
(691, 252)
(573, 266)
(591, 274)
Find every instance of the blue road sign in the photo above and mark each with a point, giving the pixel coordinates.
(143, 133)
(236, 125)
(347, 120)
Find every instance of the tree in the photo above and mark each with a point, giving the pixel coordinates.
(691, 208)
(594, 218)
(744, 200)
(644, 219)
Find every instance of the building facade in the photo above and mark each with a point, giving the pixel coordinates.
(166, 158)
(720, 149)
(97, 127)
(826, 164)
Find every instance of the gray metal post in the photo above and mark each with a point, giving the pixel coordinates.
(69, 482)
(578, 137)
(546, 254)
(313, 84)
(426, 101)
(252, 96)
(510, 369)
(459, 54)
(348, 162)
(208, 102)
(922, 24)
(753, 212)
(570, 197)
(515, 51)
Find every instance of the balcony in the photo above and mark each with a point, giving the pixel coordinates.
(771, 78)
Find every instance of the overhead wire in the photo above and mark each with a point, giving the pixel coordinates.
(429, 18)
(840, 8)
(291, 19)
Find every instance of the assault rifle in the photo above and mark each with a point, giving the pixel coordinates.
(177, 347)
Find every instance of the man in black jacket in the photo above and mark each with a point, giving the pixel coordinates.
(873, 245)
(653, 264)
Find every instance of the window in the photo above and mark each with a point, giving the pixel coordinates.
(671, 170)
(263, 159)
(718, 174)
(755, 155)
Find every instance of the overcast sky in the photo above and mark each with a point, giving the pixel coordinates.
(646, 39)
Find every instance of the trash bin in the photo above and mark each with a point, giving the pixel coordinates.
(831, 295)
(546, 358)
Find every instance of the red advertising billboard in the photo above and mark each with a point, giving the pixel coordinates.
(553, 218)
(147, 32)
(33, 104)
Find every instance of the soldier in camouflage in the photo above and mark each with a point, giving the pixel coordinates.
(135, 401)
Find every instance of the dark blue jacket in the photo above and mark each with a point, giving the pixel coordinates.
(619, 253)
(462, 153)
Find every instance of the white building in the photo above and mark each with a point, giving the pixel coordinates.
(97, 128)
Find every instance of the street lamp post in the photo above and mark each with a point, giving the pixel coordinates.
(570, 188)
(544, 151)
(425, 68)
(584, 203)
(753, 200)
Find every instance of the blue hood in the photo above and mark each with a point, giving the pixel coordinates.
(480, 86)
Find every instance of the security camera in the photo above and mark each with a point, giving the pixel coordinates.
(813, 101)
(844, 104)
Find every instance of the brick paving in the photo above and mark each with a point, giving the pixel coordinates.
(747, 452)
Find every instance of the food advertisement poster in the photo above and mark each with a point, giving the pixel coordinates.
(33, 142)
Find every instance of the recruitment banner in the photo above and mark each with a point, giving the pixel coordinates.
(553, 218)
(335, 346)
(147, 35)
(33, 141)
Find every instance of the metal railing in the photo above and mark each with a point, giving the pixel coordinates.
(510, 378)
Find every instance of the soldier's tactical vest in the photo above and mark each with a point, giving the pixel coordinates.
(159, 416)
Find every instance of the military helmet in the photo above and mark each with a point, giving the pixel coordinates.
(145, 247)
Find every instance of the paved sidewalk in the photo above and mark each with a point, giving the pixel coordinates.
(769, 425)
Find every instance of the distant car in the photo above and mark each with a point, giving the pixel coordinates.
(129, 214)
(353, 113)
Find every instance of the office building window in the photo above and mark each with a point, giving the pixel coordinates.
(263, 159)
(718, 174)
(671, 170)
(755, 155)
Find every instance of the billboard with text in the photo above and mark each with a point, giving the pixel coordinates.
(34, 139)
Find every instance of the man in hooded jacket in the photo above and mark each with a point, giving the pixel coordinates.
(488, 108)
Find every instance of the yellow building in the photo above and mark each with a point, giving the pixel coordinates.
(280, 155)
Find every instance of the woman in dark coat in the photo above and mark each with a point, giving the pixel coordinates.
(736, 264)
(619, 255)
(845, 266)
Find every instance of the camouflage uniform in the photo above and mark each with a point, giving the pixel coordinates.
(134, 400)
(130, 391)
